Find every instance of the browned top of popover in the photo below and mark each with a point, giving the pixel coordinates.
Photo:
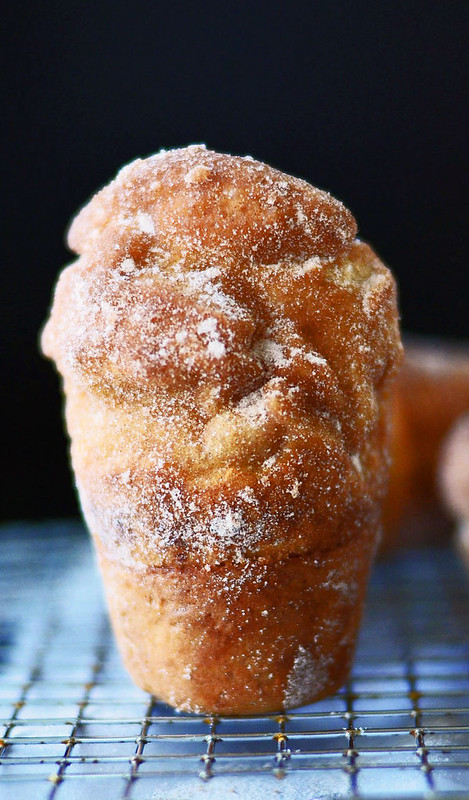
(227, 346)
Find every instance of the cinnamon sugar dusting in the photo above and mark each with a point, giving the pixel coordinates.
(226, 345)
(308, 673)
(227, 348)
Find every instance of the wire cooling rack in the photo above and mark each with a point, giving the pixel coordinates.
(73, 726)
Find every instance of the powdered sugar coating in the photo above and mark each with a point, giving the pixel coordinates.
(260, 214)
(308, 675)
(227, 348)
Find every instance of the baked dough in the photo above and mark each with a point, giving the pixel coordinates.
(430, 393)
(227, 347)
(453, 474)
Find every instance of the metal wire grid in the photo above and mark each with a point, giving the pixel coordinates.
(73, 726)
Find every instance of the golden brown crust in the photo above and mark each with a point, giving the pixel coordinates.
(258, 387)
(167, 201)
(228, 349)
(240, 639)
(306, 494)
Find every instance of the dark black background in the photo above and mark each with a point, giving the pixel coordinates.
(365, 99)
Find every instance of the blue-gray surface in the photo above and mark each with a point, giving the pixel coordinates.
(72, 724)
